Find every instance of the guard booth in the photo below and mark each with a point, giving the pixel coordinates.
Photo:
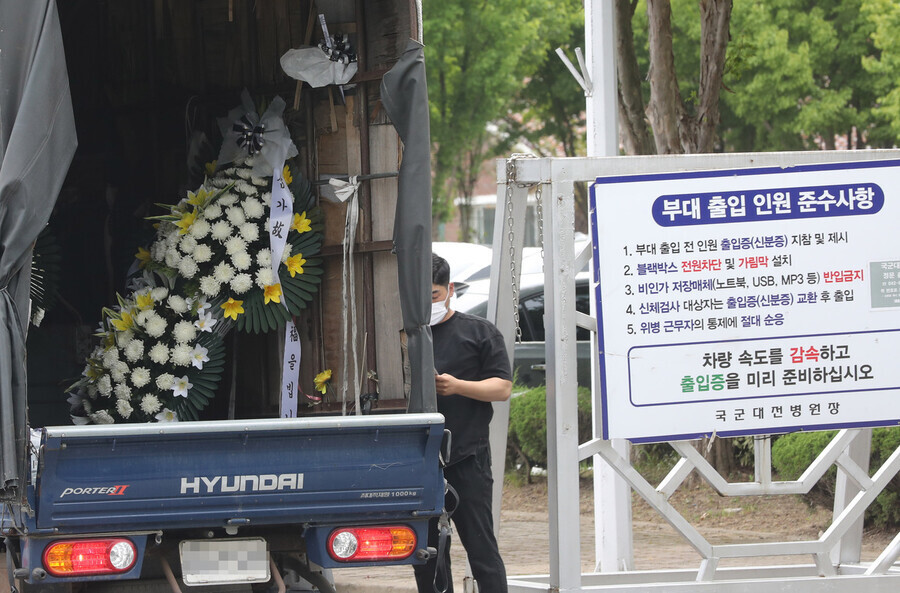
(698, 261)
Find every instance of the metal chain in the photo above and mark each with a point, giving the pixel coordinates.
(510, 234)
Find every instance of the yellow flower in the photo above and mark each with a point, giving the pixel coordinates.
(144, 301)
(321, 381)
(286, 175)
(233, 308)
(295, 264)
(143, 256)
(124, 322)
(272, 293)
(301, 224)
(199, 198)
(211, 168)
(187, 219)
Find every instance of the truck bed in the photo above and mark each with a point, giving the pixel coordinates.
(239, 473)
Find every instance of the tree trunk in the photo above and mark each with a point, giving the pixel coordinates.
(715, 18)
(666, 109)
(632, 121)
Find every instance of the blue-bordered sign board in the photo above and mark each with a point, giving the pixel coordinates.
(748, 301)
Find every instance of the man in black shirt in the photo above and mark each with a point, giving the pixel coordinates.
(471, 370)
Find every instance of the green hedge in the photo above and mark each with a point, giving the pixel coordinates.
(792, 454)
(527, 442)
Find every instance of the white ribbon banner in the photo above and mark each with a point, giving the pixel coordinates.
(281, 213)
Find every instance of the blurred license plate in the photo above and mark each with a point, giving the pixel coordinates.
(224, 561)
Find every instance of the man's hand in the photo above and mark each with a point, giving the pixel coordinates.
(445, 384)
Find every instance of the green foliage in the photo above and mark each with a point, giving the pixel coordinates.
(528, 425)
(792, 454)
(477, 56)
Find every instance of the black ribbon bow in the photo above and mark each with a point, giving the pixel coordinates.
(249, 136)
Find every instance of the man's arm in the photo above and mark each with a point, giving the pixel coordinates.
(492, 389)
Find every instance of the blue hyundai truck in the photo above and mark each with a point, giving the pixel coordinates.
(228, 502)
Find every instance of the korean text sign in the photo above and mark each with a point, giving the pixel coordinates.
(748, 301)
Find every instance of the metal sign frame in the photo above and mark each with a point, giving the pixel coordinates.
(835, 555)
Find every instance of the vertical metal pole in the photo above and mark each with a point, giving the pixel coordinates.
(612, 496)
(500, 312)
(562, 384)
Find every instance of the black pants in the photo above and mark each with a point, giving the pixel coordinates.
(474, 523)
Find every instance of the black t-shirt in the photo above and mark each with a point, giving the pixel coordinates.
(469, 348)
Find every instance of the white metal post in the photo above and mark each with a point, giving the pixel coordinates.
(562, 386)
(613, 545)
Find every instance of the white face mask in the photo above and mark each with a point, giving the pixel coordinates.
(438, 312)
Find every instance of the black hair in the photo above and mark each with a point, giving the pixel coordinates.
(440, 270)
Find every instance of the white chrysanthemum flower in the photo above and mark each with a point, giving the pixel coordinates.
(236, 216)
(235, 245)
(184, 331)
(123, 338)
(221, 231)
(178, 304)
(159, 293)
(150, 404)
(241, 260)
(123, 407)
(134, 350)
(102, 417)
(156, 326)
(140, 377)
(187, 267)
(243, 173)
(141, 318)
(188, 244)
(219, 182)
(181, 356)
(267, 198)
(253, 208)
(259, 181)
(202, 253)
(165, 381)
(245, 188)
(122, 391)
(92, 391)
(173, 237)
(210, 286)
(104, 385)
(159, 354)
(173, 258)
(200, 228)
(212, 212)
(265, 277)
(264, 258)
(249, 231)
(241, 283)
(223, 272)
(227, 200)
(117, 373)
(110, 357)
(288, 248)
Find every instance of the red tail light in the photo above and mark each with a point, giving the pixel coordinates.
(80, 557)
(367, 544)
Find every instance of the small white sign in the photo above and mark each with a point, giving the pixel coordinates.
(748, 301)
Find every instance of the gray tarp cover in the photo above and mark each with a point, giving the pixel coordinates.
(405, 98)
(37, 142)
